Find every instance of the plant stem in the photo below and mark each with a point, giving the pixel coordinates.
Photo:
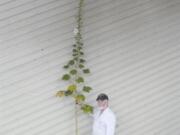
(76, 119)
(78, 40)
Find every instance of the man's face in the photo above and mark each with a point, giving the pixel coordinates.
(102, 104)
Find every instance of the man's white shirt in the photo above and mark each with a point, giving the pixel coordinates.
(104, 122)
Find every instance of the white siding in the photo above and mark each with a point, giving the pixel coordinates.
(132, 48)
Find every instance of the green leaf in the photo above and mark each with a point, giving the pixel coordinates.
(76, 58)
(66, 77)
(71, 62)
(86, 71)
(81, 66)
(80, 98)
(60, 93)
(74, 50)
(74, 54)
(72, 88)
(87, 108)
(82, 61)
(81, 53)
(73, 71)
(68, 92)
(66, 66)
(74, 45)
(79, 48)
(87, 88)
(79, 80)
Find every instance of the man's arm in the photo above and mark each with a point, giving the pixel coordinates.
(110, 126)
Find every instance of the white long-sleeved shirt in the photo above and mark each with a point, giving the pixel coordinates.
(104, 123)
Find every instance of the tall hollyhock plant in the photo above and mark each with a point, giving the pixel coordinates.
(76, 71)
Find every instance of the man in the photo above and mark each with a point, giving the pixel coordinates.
(104, 119)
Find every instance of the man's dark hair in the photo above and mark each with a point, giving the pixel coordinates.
(102, 97)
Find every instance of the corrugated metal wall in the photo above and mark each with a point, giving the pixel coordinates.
(132, 48)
